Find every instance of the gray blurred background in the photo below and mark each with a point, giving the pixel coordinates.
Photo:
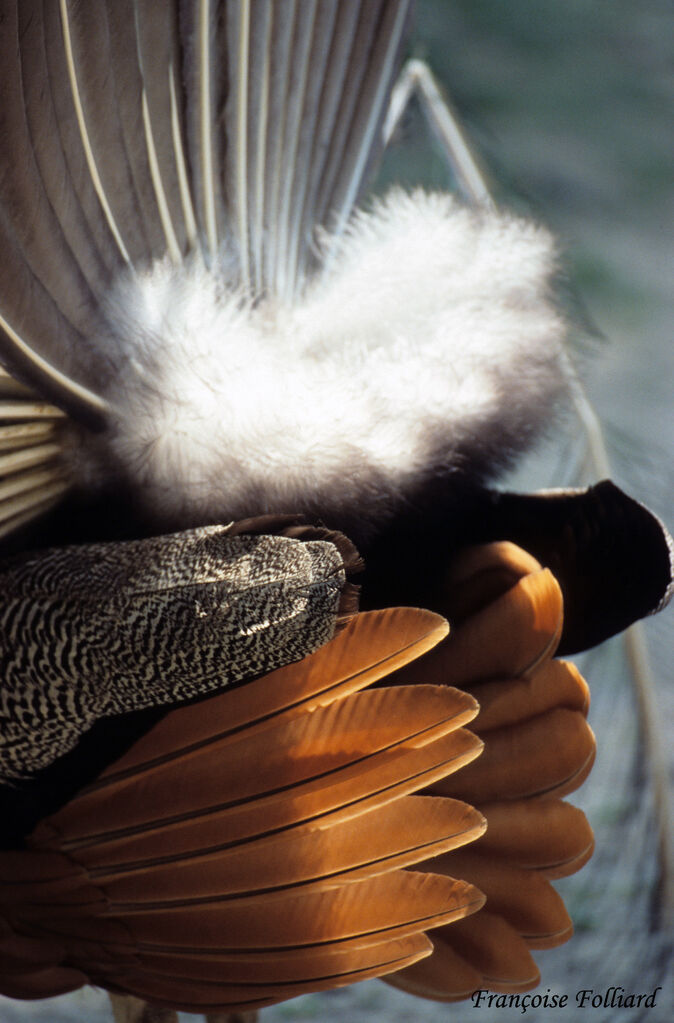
(571, 109)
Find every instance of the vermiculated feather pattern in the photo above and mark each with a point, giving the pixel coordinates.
(432, 345)
(102, 629)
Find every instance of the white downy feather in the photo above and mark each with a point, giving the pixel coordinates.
(431, 342)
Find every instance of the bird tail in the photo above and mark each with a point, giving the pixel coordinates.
(33, 473)
(134, 132)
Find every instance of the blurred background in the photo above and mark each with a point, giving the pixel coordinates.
(570, 109)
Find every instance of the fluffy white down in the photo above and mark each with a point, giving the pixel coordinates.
(430, 343)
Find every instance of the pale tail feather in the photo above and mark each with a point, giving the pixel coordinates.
(33, 477)
(117, 128)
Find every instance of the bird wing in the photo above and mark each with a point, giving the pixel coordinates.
(538, 748)
(256, 845)
(253, 846)
(95, 631)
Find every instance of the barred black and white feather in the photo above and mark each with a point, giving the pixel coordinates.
(97, 630)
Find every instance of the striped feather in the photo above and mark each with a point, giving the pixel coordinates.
(87, 42)
(33, 476)
(45, 95)
(33, 239)
(166, 618)
(163, 122)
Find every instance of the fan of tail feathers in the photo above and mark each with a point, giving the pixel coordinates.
(223, 134)
(185, 277)
(117, 126)
(159, 159)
